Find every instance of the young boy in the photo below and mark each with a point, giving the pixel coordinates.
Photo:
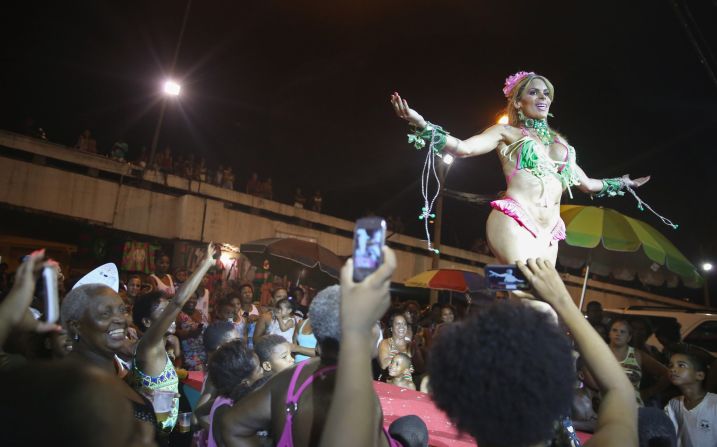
(400, 370)
(694, 414)
(274, 353)
(585, 399)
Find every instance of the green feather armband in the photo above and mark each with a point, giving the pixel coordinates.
(612, 187)
(434, 135)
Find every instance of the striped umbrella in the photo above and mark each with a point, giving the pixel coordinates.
(448, 279)
(611, 243)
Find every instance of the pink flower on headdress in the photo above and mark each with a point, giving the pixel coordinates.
(513, 80)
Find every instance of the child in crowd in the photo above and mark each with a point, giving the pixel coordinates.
(233, 365)
(400, 371)
(180, 275)
(586, 399)
(274, 353)
(189, 330)
(284, 322)
(694, 414)
(215, 336)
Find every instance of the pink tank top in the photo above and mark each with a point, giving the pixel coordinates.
(218, 402)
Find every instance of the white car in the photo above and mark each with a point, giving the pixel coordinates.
(698, 327)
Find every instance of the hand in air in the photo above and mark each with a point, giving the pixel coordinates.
(211, 251)
(400, 106)
(545, 280)
(635, 183)
(363, 303)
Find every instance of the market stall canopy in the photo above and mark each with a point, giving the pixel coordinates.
(448, 279)
(308, 261)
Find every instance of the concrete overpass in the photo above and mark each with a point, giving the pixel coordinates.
(38, 176)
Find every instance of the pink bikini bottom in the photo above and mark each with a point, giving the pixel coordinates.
(511, 208)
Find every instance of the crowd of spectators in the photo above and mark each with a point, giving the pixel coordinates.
(281, 374)
(188, 166)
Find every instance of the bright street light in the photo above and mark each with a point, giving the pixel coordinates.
(503, 119)
(171, 88)
(706, 266)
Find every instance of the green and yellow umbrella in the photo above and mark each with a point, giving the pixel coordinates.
(611, 243)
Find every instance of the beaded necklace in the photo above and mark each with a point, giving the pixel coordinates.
(547, 136)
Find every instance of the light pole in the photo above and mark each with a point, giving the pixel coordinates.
(707, 268)
(171, 88)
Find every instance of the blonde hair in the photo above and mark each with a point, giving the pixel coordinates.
(517, 91)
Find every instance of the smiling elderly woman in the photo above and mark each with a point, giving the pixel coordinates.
(537, 162)
(97, 319)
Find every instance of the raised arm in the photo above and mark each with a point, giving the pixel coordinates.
(150, 350)
(482, 143)
(14, 309)
(617, 418)
(605, 186)
(354, 418)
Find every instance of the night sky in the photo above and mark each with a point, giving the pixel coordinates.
(299, 91)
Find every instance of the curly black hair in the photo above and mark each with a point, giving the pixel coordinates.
(509, 366)
(230, 365)
(216, 333)
(265, 345)
(143, 307)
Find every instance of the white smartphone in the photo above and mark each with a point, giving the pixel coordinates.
(52, 301)
(369, 239)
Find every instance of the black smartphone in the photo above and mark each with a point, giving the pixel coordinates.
(505, 277)
(369, 239)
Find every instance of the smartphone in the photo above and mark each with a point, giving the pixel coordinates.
(369, 239)
(47, 286)
(505, 277)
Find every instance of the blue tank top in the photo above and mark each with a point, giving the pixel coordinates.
(304, 340)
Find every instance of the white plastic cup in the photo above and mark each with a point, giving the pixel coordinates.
(163, 401)
(184, 421)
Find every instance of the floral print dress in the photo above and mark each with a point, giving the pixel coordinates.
(195, 357)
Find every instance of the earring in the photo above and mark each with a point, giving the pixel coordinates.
(521, 117)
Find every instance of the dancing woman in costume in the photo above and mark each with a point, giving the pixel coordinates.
(538, 164)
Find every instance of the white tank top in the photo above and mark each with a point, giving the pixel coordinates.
(274, 328)
(167, 289)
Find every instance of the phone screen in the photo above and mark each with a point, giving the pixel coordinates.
(369, 239)
(46, 288)
(505, 277)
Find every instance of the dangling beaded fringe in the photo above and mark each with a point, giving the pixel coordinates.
(429, 170)
(641, 205)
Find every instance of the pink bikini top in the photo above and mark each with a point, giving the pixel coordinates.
(519, 158)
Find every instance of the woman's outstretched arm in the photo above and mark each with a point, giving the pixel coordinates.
(150, 350)
(482, 143)
(596, 186)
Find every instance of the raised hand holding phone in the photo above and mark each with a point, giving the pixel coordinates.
(369, 239)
